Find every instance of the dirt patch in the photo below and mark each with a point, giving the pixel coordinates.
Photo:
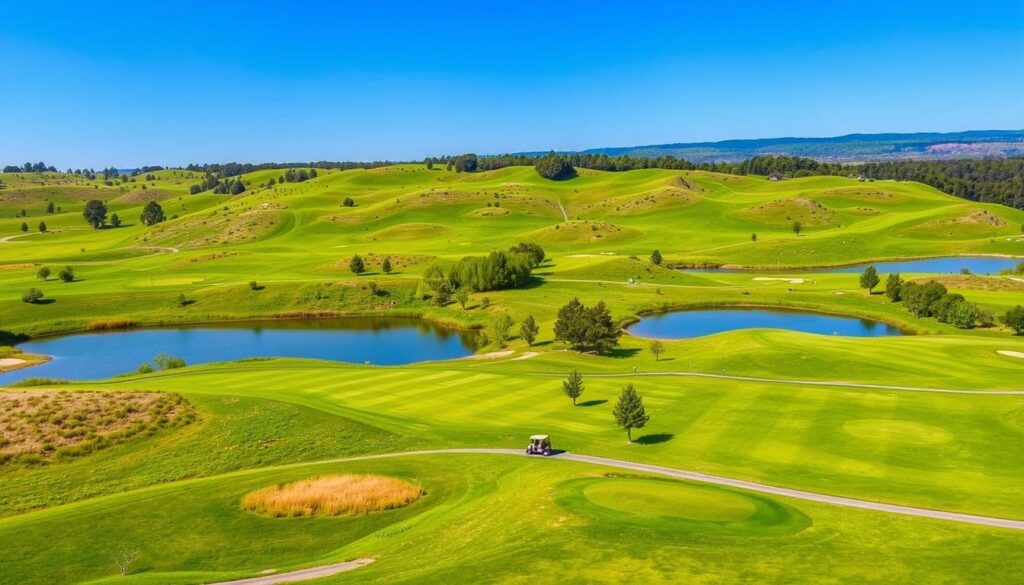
(59, 194)
(493, 355)
(39, 426)
(335, 495)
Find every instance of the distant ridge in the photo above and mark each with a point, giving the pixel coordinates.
(848, 148)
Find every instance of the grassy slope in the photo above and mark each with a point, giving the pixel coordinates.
(946, 451)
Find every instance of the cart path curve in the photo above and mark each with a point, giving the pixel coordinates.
(301, 575)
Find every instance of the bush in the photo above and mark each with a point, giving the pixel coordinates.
(43, 273)
(1014, 319)
(534, 251)
(32, 295)
(67, 274)
(496, 271)
(348, 202)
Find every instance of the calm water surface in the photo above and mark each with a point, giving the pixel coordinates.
(378, 340)
(944, 265)
(699, 322)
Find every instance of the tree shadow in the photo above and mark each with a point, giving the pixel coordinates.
(666, 359)
(623, 352)
(589, 403)
(44, 302)
(654, 438)
(9, 338)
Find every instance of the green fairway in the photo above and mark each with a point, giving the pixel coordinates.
(932, 419)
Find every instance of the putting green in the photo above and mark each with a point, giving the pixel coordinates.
(899, 431)
(677, 507)
(656, 498)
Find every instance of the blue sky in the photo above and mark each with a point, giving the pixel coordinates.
(132, 83)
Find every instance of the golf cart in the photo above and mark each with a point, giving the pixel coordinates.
(539, 445)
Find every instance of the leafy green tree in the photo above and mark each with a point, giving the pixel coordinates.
(43, 273)
(753, 237)
(49, 207)
(462, 297)
(32, 296)
(534, 251)
(869, 279)
(919, 299)
(115, 220)
(42, 227)
(348, 202)
(386, 265)
(95, 213)
(498, 329)
(797, 227)
(356, 265)
(656, 258)
(657, 348)
(528, 330)
(435, 277)
(237, 187)
(554, 167)
(443, 295)
(1014, 319)
(572, 386)
(165, 361)
(67, 274)
(629, 411)
(893, 287)
(24, 226)
(152, 214)
(963, 315)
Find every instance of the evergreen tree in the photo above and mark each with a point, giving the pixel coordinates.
(386, 265)
(95, 213)
(572, 386)
(656, 258)
(869, 279)
(115, 220)
(528, 330)
(237, 187)
(893, 284)
(1014, 319)
(356, 265)
(42, 227)
(629, 411)
(24, 226)
(43, 273)
(797, 227)
(49, 207)
(152, 214)
(67, 274)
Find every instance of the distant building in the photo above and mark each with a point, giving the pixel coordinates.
(776, 177)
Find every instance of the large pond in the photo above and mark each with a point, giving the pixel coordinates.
(943, 265)
(699, 322)
(377, 340)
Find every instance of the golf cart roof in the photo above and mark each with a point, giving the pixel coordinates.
(538, 437)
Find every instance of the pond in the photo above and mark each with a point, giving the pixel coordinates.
(941, 265)
(377, 340)
(700, 322)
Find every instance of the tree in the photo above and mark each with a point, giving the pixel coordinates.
(42, 227)
(554, 167)
(657, 348)
(67, 274)
(95, 213)
(43, 273)
(165, 361)
(24, 226)
(629, 411)
(237, 187)
(869, 279)
(1014, 319)
(32, 296)
(572, 386)
(356, 265)
(656, 258)
(498, 329)
(115, 220)
(462, 297)
(386, 265)
(152, 214)
(920, 299)
(49, 207)
(585, 328)
(753, 237)
(534, 251)
(797, 227)
(962, 315)
(348, 202)
(528, 330)
(570, 322)
(893, 287)
(125, 558)
(183, 301)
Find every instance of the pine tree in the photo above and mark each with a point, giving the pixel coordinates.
(869, 279)
(572, 386)
(356, 265)
(656, 258)
(115, 220)
(24, 226)
(528, 330)
(42, 227)
(386, 266)
(629, 411)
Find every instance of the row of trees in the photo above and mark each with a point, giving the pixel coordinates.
(930, 299)
(39, 167)
(95, 213)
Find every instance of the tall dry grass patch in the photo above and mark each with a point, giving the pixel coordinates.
(333, 495)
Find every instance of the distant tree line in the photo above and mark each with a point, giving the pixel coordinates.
(39, 167)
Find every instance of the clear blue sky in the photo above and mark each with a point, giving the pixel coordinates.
(131, 83)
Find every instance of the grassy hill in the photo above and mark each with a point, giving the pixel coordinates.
(174, 491)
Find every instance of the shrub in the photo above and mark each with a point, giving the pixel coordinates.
(32, 295)
(43, 273)
(1014, 319)
(67, 274)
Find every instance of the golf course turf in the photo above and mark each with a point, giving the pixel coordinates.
(933, 419)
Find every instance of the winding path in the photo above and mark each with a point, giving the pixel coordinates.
(301, 575)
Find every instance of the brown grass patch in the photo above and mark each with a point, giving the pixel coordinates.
(972, 282)
(38, 426)
(333, 495)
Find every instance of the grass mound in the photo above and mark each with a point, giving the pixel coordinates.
(583, 231)
(144, 196)
(217, 227)
(977, 223)
(783, 212)
(37, 426)
(334, 495)
(408, 231)
(488, 212)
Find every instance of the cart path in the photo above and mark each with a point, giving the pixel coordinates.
(301, 575)
(723, 481)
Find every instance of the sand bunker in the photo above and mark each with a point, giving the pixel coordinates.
(1010, 353)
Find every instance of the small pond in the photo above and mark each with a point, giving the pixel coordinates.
(377, 340)
(942, 265)
(700, 322)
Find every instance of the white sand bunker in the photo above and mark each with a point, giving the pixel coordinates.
(490, 355)
(10, 362)
(1010, 353)
(789, 280)
(526, 355)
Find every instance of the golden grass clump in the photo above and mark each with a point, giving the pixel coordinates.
(333, 495)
